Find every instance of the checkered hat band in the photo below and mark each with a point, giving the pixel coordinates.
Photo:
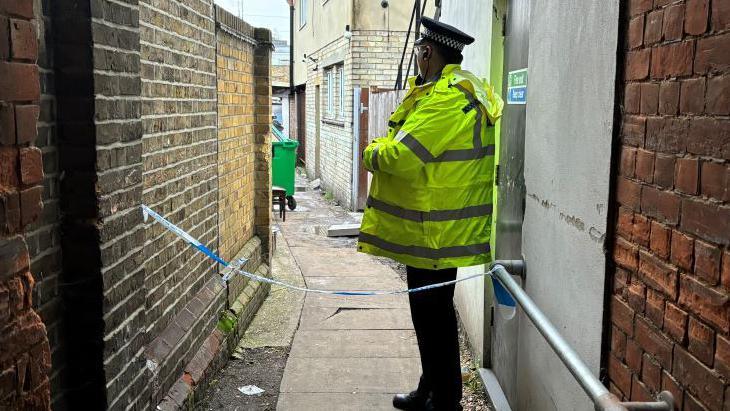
(440, 38)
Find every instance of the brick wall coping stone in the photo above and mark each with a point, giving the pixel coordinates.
(234, 26)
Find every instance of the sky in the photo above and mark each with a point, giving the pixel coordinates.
(273, 14)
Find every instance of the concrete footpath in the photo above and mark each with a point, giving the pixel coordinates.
(319, 352)
(348, 353)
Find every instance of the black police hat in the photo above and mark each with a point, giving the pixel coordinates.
(443, 34)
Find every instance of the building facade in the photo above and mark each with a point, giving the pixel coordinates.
(339, 47)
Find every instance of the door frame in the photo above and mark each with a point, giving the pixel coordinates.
(361, 102)
(317, 125)
(511, 192)
(301, 112)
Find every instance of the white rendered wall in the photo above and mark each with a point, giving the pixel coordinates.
(569, 125)
(475, 18)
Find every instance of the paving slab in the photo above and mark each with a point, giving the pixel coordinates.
(299, 239)
(343, 230)
(298, 215)
(331, 255)
(357, 283)
(348, 318)
(327, 262)
(354, 344)
(350, 375)
(345, 269)
(392, 282)
(381, 301)
(335, 401)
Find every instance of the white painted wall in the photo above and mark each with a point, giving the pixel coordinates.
(572, 68)
(474, 17)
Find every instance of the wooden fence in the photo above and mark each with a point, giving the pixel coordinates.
(382, 104)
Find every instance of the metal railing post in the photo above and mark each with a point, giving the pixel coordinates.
(602, 399)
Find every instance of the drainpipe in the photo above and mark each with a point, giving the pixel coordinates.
(291, 48)
(419, 13)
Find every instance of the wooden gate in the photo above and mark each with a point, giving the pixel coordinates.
(361, 140)
(381, 105)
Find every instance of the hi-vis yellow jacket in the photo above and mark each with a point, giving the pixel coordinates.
(430, 202)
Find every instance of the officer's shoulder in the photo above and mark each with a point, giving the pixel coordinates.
(445, 92)
(453, 86)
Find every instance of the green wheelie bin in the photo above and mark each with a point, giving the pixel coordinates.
(284, 161)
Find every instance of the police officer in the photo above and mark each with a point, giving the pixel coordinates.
(430, 202)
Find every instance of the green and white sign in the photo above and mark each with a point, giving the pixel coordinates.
(517, 87)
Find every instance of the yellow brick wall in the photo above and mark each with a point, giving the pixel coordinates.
(280, 74)
(236, 143)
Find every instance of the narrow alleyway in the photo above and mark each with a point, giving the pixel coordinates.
(328, 352)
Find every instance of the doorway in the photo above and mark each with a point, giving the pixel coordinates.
(511, 186)
(301, 114)
(317, 123)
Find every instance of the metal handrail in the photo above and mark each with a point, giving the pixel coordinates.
(602, 398)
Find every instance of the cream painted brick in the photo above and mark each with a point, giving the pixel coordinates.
(372, 60)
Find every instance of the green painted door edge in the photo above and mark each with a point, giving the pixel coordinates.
(495, 79)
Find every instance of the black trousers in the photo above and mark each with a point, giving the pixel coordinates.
(434, 319)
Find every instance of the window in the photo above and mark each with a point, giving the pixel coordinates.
(330, 92)
(333, 100)
(302, 13)
(342, 90)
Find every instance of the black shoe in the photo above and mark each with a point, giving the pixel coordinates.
(429, 406)
(412, 401)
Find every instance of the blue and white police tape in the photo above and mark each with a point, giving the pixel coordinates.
(503, 297)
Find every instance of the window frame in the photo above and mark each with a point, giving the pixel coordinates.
(303, 13)
(330, 92)
(341, 79)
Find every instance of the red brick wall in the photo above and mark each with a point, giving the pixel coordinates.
(24, 351)
(670, 310)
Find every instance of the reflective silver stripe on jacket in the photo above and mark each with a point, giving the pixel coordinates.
(425, 252)
(434, 215)
(477, 134)
(374, 160)
(454, 155)
(449, 155)
(465, 154)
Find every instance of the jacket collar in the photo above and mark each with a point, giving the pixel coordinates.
(446, 71)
